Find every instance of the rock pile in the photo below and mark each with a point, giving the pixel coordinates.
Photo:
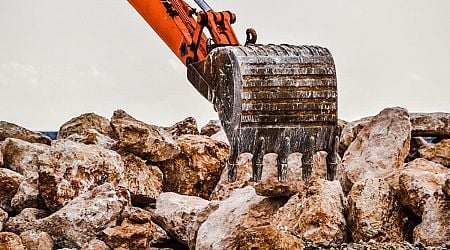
(124, 184)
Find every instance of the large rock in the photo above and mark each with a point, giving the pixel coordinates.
(9, 183)
(86, 216)
(148, 142)
(381, 146)
(269, 184)
(93, 137)
(25, 220)
(144, 181)
(431, 124)
(375, 214)
(75, 168)
(211, 128)
(268, 237)
(196, 170)
(439, 152)
(182, 215)
(11, 130)
(422, 125)
(416, 182)
(435, 227)
(22, 156)
(187, 126)
(95, 244)
(317, 213)
(129, 235)
(84, 122)
(10, 241)
(138, 215)
(141, 216)
(27, 195)
(3, 218)
(25, 158)
(350, 131)
(244, 209)
(34, 240)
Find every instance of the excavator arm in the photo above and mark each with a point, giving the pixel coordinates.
(270, 98)
(173, 21)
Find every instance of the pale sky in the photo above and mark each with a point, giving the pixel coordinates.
(62, 58)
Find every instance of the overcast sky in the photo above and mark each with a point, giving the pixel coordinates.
(62, 58)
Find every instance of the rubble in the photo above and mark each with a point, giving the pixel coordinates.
(416, 182)
(375, 214)
(136, 216)
(129, 235)
(143, 181)
(196, 170)
(182, 215)
(431, 124)
(211, 128)
(95, 244)
(422, 125)
(34, 240)
(10, 241)
(244, 209)
(316, 213)
(83, 123)
(435, 227)
(25, 220)
(187, 126)
(11, 130)
(84, 217)
(93, 137)
(268, 237)
(126, 184)
(25, 158)
(350, 131)
(146, 141)
(9, 183)
(381, 146)
(75, 168)
(437, 152)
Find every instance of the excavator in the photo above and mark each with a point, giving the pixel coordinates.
(270, 98)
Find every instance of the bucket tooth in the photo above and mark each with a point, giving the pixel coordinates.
(283, 159)
(258, 159)
(232, 171)
(272, 92)
(307, 166)
(307, 158)
(232, 159)
(332, 160)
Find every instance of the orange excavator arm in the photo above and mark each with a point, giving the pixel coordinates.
(270, 98)
(173, 21)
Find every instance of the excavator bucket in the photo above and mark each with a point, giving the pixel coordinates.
(272, 99)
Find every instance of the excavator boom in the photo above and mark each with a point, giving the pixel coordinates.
(270, 98)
